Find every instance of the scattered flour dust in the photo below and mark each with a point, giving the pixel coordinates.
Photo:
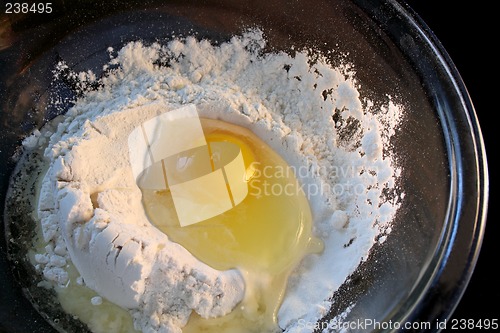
(310, 113)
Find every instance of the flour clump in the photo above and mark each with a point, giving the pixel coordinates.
(90, 206)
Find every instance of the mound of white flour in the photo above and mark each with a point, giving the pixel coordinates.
(90, 207)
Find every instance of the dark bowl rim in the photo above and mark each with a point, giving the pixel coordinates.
(457, 255)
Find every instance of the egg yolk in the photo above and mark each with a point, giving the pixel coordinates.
(264, 236)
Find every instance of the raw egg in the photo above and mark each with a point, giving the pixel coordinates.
(264, 236)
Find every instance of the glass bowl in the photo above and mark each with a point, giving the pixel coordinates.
(420, 273)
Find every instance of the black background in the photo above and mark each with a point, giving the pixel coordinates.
(465, 29)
